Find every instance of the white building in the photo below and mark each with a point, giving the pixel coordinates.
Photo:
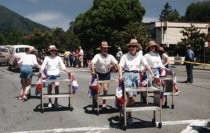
(168, 33)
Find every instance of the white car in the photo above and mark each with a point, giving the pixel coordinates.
(16, 52)
(4, 55)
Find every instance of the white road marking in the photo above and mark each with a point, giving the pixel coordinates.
(107, 127)
(78, 129)
(182, 122)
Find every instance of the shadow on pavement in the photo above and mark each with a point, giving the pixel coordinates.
(47, 109)
(118, 123)
(89, 110)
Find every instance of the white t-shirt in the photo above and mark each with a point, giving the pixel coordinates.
(132, 63)
(52, 65)
(154, 59)
(102, 63)
(28, 59)
(81, 52)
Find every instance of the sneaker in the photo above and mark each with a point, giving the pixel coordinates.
(177, 92)
(103, 105)
(50, 105)
(130, 120)
(56, 105)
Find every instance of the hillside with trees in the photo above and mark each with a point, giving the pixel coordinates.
(11, 21)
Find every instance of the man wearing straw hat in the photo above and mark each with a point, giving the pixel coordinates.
(101, 65)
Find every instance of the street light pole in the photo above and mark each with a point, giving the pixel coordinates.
(205, 45)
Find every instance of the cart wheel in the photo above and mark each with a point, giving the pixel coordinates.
(172, 106)
(153, 121)
(165, 104)
(159, 125)
(124, 128)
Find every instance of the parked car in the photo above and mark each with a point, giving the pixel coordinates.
(4, 55)
(16, 52)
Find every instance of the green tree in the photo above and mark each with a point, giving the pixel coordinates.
(14, 37)
(2, 38)
(195, 38)
(39, 39)
(169, 14)
(199, 12)
(107, 20)
(72, 40)
(59, 38)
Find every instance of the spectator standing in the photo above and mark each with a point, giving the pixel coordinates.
(66, 58)
(52, 63)
(101, 64)
(26, 70)
(81, 57)
(131, 63)
(189, 66)
(119, 54)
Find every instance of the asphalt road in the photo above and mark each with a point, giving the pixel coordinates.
(191, 107)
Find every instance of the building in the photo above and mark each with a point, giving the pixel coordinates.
(168, 33)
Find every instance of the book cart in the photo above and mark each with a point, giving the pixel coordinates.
(166, 84)
(156, 105)
(66, 94)
(99, 97)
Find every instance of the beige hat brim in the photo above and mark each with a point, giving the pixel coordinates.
(52, 49)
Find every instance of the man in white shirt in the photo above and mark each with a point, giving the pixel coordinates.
(101, 65)
(81, 56)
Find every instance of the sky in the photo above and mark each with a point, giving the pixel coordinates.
(58, 13)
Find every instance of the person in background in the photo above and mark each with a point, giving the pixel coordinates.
(26, 70)
(66, 58)
(189, 57)
(101, 65)
(52, 63)
(165, 58)
(129, 69)
(119, 54)
(81, 57)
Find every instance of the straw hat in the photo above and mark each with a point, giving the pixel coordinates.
(104, 44)
(152, 43)
(133, 42)
(52, 47)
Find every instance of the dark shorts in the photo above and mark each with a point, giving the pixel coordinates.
(104, 76)
(51, 78)
(26, 71)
